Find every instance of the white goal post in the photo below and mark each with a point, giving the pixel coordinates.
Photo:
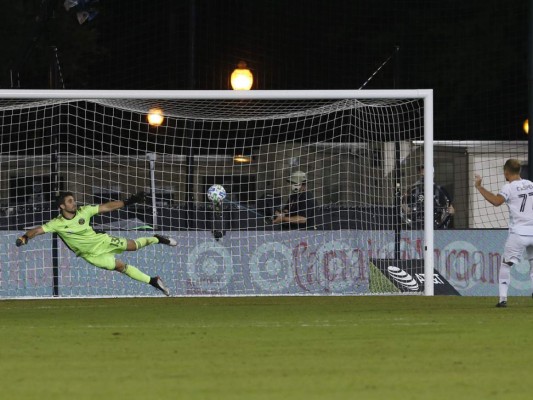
(355, 151)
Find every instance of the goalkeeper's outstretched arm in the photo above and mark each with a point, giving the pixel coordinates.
(22, 240)
(115, 205)
(110, 206)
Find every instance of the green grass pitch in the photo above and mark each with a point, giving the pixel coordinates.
(390, 347)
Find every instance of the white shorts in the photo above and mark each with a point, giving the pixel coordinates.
(515, 246)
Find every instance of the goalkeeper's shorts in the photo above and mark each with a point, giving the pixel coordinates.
(106, 253)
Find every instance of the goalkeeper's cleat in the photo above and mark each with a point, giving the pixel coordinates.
(166, 240)
(158, 284)
(501, 304)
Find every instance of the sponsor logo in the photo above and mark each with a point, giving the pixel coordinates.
(402, 278)
(81, 221)
(436, 279)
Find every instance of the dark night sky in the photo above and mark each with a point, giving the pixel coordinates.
(472, 53)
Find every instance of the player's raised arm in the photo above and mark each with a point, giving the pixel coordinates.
(494, 199)
(22, 240)
(139, 197)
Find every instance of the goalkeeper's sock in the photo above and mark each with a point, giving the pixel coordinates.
(504, 278)
(145, 241)
(136, 274)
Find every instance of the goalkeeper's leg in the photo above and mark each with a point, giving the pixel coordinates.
(131, 271)
(139, 243)
(140, 276)
(108, 261)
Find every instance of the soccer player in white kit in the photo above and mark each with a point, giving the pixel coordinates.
(517, 193)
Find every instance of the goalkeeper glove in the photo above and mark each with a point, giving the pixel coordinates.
(21, 241)
(135, 198)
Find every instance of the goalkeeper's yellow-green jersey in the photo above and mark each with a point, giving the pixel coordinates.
(77, 234)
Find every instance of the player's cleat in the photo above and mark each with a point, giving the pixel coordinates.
(166, 240)
(501, 304)
(158, 284)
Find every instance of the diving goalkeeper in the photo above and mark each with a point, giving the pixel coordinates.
(98, 249)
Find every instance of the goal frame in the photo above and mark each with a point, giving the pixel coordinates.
(426, 95)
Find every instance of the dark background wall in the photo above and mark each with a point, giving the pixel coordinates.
(472, 53)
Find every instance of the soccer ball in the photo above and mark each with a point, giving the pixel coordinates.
(216, 193)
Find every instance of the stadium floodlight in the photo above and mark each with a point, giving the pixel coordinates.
(242, 159)
(342, 142)
(155, 117)
(241, 77)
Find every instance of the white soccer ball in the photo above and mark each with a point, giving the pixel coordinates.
(216, 193)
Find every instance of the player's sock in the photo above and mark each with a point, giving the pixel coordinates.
(504, 278)
(531, 273)
(145, 241)
(136, 274)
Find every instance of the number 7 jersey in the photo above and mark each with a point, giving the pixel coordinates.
(518, 196)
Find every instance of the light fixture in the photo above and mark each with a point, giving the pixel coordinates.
(240, 159)
(242, 78)
(525, 126)
(155, 117)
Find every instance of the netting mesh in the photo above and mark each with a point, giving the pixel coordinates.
(315, 197)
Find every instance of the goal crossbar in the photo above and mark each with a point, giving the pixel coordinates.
(215, 94)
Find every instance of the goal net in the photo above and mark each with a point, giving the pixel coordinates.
(318, 186)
